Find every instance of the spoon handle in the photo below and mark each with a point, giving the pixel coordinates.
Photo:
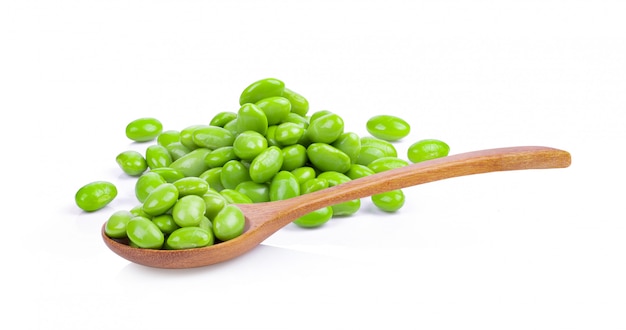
(475, 162)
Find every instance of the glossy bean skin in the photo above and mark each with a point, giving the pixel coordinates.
(158, 156)
(318, 114)
(312, 185)
(315, 219)
(275, 108)
(95, 195)
(357, 171)
(144, 129)
(169, 174)
(390, 201)
(325, 129)
(212, 137)
(191, 186)
(266, 165)
(143, 233)
(189, 238)
(146, 183)
(213, 177)
(427, 149)
(192, 164)
(229, 223)
(284, 185)
(368, 154)
(257, 192)
(222, 118)
(350, 144)
(177, 150)
(261, 89)
(233, 173)
(299, 104)
(294, 156)
(296, 119)
(386, 147)
(270, 135)
(304, 174)
(388, 128)
(131, 162)
(288, 133)
(138, 212)
(115, 226)
(334, 178)
(328, 158)
(161, 199)
(251, 118)
(189, 210)
(187, 136)
(233, 196)
(168, 137)
(214, 202)
(166, 223)
(386, 163)
(249, 144)
(345, 208)
(220, 156)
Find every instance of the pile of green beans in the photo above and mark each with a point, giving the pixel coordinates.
(272, 148)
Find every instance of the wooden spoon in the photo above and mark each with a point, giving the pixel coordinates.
(264, 219)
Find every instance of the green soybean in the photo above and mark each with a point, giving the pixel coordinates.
(146, 183)
(212, 137)
(427, 149)
(288, 133)
(261, 89)
(315, 219)
(249, 144)
(328, 158)
(312, 185)
(131, 162)
(169, 174)
(233, 196)
(222, 118)
(177, 150)
(350, 144)
(168, 137)
(257, 192)
(161, 199)
(325, 129)
(284, 185)
(144, 129)
(192, 164)
(251, 118)
(143, 233)
(220, 156)
(388, 128)
(275, 108)
(115, 226)
(95, 195)
(266, 165)
(214, 202)
(191, 186)
(357, 171)
(166, 223)
(299, 104)
(390, 201)
(229, 223)
(294, 156)
(213, 177)
(304, 174)
(187, 136)
(158, 156)
(189, 238)
(233, 173)
(386, 163)
(189, 210)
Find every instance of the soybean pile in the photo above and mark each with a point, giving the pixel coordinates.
(272, 148)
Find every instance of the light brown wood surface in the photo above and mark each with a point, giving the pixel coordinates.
(264, 219)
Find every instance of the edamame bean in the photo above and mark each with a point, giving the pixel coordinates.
(304, 174)
(191, 186)
(325, 129)
(388, 128)
(158, 156)
(144, 233)
(294, 156)
(249, 144)
(95, 195)
(177, 150)
(233, 173)
(146, 183)
(229, 223)
(345, 208)
(284, 185)
(189, 238)
(257, 192)
(357, 171)
(167, 137)
(187, 136)
(299, 104)
(390, 201)
(251, 118)
(220, 156)
(261, 89)
(212, 137)
(350, 144)
(131, 162)
(222, 118)
(275, 108)
(386, 163)
(266, 165)
(213, 177)
(233, 196)
(288, 133)
(166, 223)
(143, 129)
(115, 226)
(328, 158)
(385, 146)
(312, 185)
(192, 164)
(214, 202)
(189, 210)
(161, 199)
(427, 149)
(316, 218)
(168, 174)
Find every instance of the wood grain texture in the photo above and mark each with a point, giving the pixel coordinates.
(264, 219)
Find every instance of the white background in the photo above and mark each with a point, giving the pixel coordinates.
(541, 249)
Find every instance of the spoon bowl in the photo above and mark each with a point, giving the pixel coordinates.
(264, 219)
